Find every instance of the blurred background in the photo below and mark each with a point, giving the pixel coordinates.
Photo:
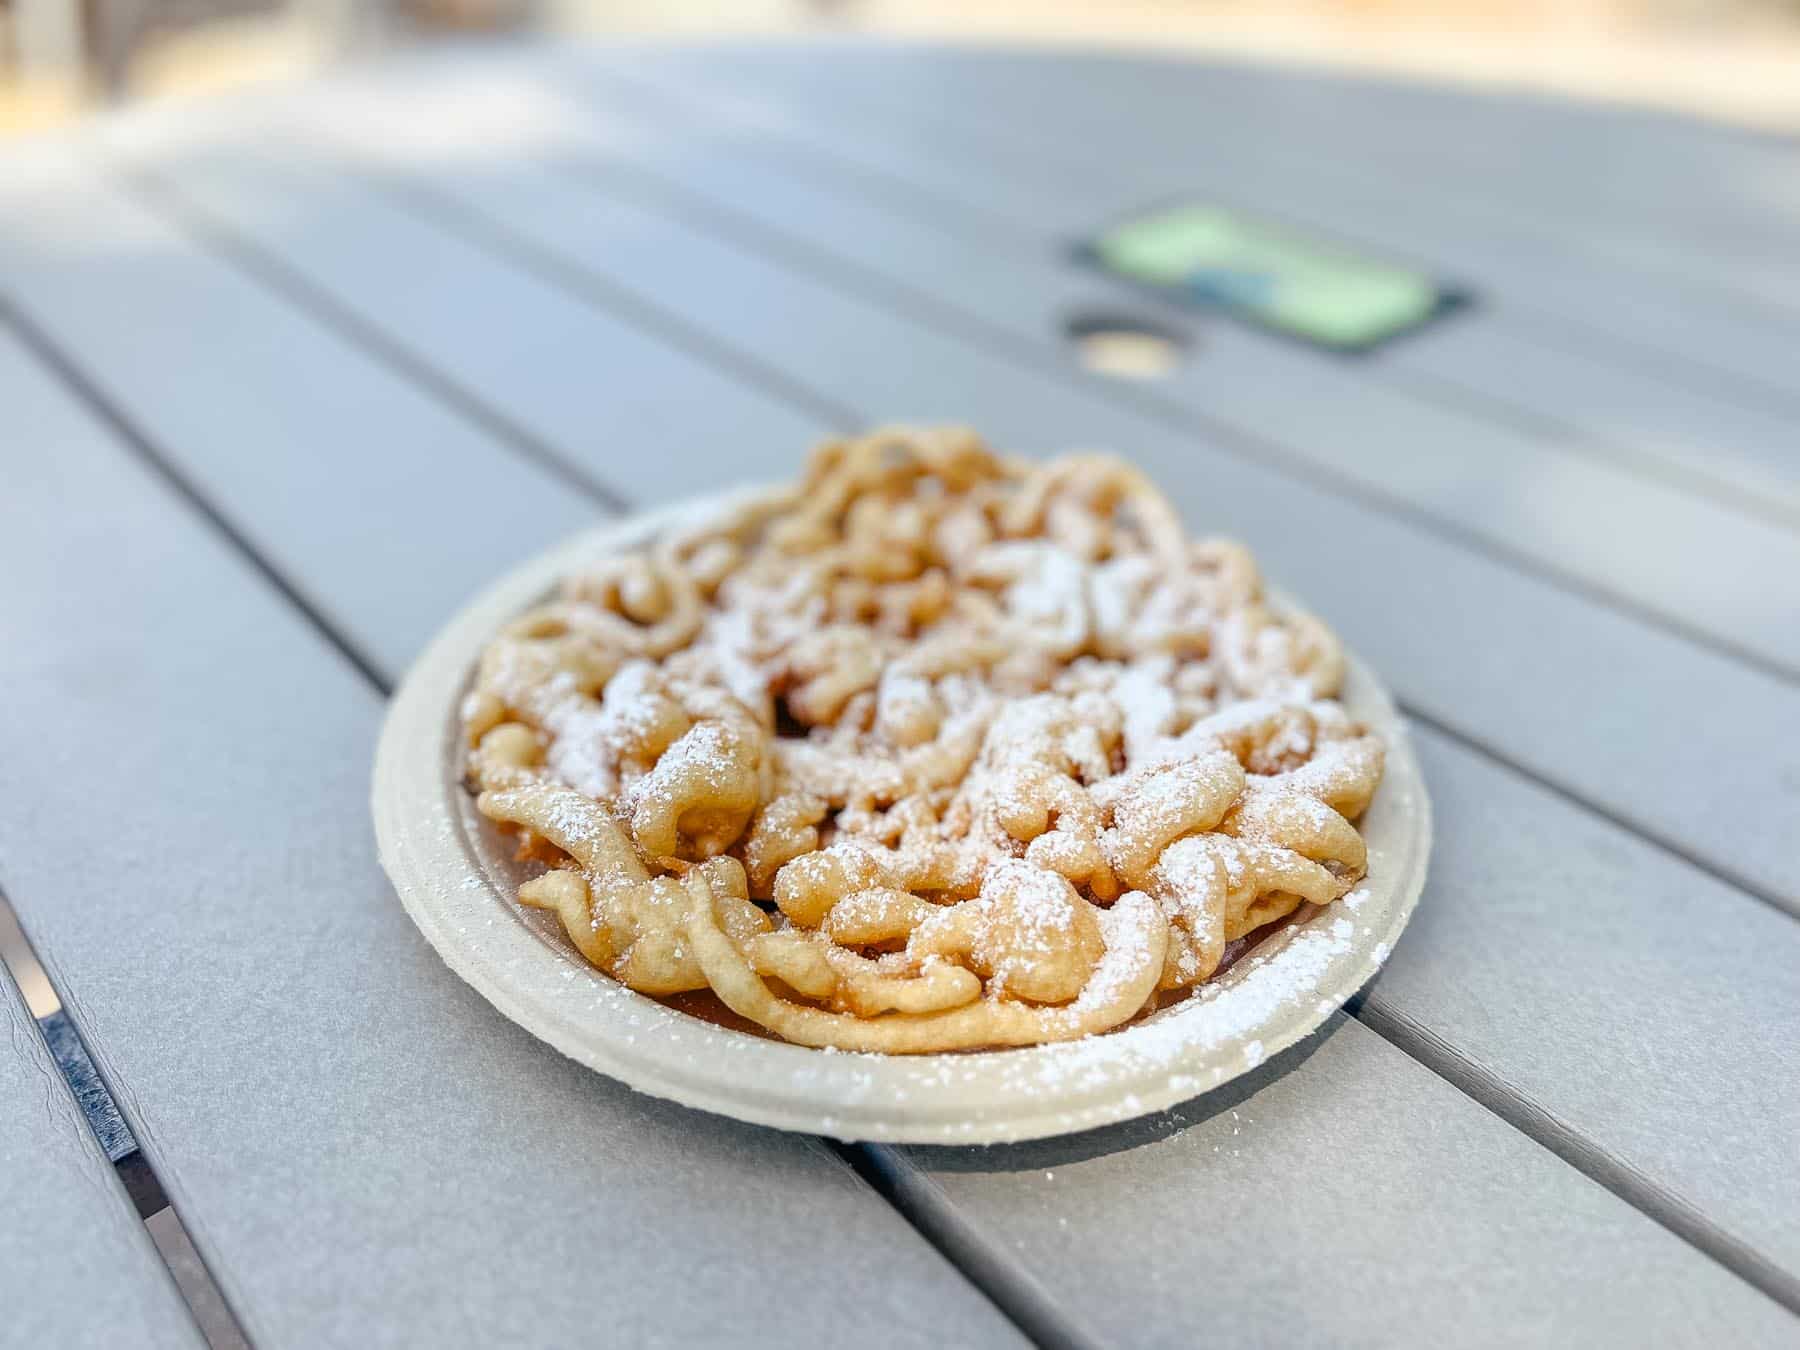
(1734, 60)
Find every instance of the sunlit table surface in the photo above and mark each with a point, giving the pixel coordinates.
(285, 378)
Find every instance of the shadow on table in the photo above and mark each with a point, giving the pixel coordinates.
(1042, 1154)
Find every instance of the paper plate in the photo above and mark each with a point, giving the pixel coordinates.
(455, 876)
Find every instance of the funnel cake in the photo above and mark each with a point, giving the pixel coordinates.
(935, 750)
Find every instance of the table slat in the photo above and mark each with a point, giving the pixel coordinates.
(77, 1268)
(1552, 942)
(1346, 1200)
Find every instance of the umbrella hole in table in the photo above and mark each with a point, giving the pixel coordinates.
(1125, 346)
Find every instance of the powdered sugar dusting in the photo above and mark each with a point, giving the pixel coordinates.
(1266, 989)
(1024, 722)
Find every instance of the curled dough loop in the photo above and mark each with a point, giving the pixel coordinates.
(638, 605)
(622, 919)
(1135, 939)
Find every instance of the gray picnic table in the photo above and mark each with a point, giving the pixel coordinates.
(284, 378)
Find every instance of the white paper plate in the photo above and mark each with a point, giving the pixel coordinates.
(453, 872)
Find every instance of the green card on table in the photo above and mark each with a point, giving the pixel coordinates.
(1271, 275)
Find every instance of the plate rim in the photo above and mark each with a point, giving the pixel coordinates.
(423, 821)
